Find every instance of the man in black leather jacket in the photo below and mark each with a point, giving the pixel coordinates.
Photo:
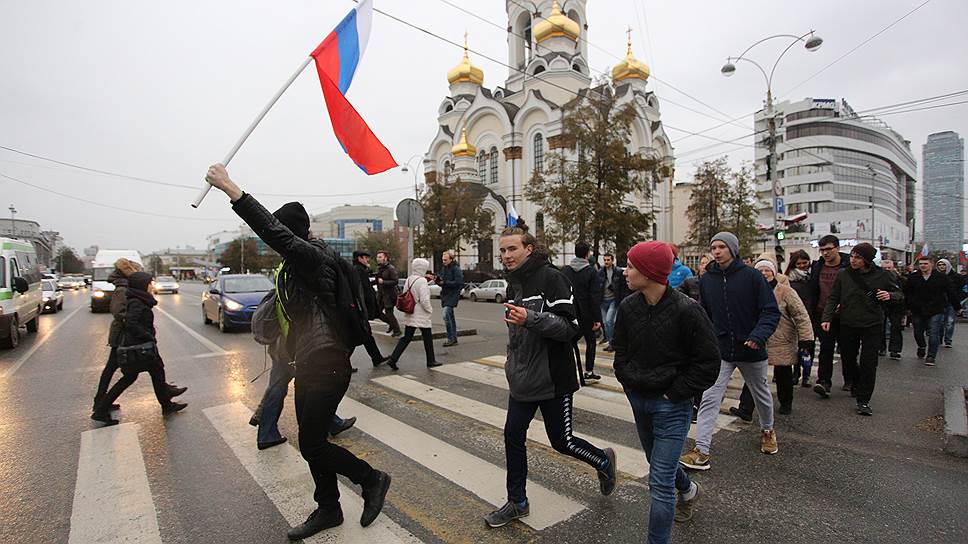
(307, 292)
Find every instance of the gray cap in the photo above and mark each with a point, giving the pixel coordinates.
(731, 241)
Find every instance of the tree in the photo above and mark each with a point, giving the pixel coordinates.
(586, 188)
(453, 215)
(722, 200)
(232, 257)
(68, 261)
(155, 265)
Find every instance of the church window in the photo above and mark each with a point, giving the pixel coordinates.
(482, 166)
(538, 153)
(527, 39)
(576, 68)
(538, 70)
(447, 172)
(493, 178)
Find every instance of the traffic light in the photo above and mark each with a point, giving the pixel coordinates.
(779, 254)
(780, 235)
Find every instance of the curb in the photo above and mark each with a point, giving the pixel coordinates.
(955, 421)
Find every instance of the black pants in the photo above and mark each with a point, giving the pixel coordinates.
(157, 373)
(866, 341)
(372, 350)
(828, 343)
(408, 332)
(319, 391)
(590, 342)
(893, 341)
(106, 375)
(387, 316)
(556, 413)
(783, 375)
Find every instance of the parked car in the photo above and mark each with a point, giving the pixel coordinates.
(53, 297)
(465, 292)
(232, 299)
(495, 290)
(21, 293)
(434, 290)
(165, 284)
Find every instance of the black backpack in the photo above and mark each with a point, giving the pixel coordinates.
(351, 310)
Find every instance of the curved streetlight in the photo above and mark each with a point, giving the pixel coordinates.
(811, 42)
(405, 167)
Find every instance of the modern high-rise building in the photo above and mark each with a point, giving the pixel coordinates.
(944, 191)
(853, 175)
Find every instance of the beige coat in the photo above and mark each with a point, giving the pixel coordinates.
(420, 318)
(794, 324)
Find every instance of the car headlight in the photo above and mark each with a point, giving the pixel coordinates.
(232, 305)
(98, 294)
(175, 286)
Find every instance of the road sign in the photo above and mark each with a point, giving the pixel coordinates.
(410, 213)
(780, 208)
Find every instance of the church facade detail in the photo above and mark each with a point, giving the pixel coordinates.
(497, 137)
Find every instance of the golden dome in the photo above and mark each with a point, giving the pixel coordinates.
(630, 68)
(558, 24)
(463, 149)
(465, 72)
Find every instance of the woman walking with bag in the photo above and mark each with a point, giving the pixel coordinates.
(139, 330)
(419, 318)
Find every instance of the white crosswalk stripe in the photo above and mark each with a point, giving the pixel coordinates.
(630, 460)
(591, 400)
(463, 469)
(284, 476)
(112, 499)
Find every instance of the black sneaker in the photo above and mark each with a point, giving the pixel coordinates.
(105, 418)
(929, 361)
(822, 390)
(921, 352)
(896, 356)
(347, 423)
(806, 382)
(947, 345)
(174, 390)
(374, 494)
(506, 514)
(734, 411)
(173, 407)
(449, 343)
(847, 386)
(606, 475)
(864, 409)
(591, 377)
(316, 522)
(380, 361)
(395, 334)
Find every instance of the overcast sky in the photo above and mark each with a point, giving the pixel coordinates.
(160, 90)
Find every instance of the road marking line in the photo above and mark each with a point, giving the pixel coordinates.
(23, 359)
(112, 499)
(631, 460)
(284, 476)
(212, 346)
(474, 474)
(586, 398)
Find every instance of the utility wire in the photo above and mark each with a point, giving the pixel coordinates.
(192, 187)
(103, 205)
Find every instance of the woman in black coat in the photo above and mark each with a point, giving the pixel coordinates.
(139, 328)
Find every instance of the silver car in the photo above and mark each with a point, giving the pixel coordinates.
(496, 290)
(53, 297)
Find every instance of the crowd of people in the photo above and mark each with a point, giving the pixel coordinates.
(677, 336)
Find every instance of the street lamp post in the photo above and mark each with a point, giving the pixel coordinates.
(873, 179)
(13, 222)
(811, 42)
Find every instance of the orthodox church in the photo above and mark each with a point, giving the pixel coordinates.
(496, 138)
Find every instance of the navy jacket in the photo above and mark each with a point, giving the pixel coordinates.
(619, 286)
(451, 282)
(742, 307)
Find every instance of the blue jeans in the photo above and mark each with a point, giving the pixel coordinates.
(609, 311)
(949, 324)
(662, 426)
(450, 323)
(933, 326)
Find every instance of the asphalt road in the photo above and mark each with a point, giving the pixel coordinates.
(197, 477)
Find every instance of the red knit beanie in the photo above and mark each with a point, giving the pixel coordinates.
(653, 259)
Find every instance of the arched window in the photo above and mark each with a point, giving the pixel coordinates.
(538, 70)
(527, 39)
(482, 166)
(493, 178)
(538, 153)
(447, 171)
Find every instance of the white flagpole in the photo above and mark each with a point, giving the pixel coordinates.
(255, 123)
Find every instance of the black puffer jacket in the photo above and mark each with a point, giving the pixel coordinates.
(584, 285)
(308, 285)
(926, 297)
(119, 306)
(667, 349)
(139, 320)
(541, 362)
(369, 294)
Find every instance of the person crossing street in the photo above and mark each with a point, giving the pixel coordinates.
(928, 293)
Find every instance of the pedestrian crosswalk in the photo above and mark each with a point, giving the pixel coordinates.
(112, 479)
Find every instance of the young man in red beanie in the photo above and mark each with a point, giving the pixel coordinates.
(665, 354)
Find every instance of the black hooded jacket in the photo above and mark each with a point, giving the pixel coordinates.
(139, 320)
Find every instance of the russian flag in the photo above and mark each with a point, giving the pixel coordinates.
(337, 58)
(512, 215)
(924, 251)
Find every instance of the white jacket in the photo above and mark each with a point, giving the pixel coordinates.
(417, 283)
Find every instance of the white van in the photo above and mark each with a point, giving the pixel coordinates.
(21, 293)
(103, 265)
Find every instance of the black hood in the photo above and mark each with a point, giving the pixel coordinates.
(293, 215)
